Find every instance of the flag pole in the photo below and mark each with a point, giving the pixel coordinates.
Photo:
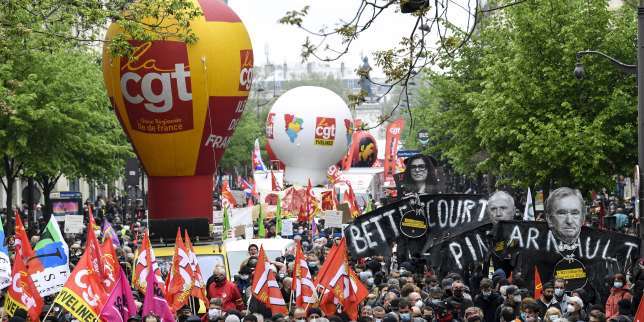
(46, 314)
(290, 301)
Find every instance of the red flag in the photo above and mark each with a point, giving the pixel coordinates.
(111, 266)
(302, 285)
(198, 285)
(22, 293)
(22, 245)
(227, 196)
(639, 316)
(265, 288)
(394, 129)
(274, 185)
(141, 266)
(538, 287)
(342, 282)
(180, 276)
(327, 200)
(84, 293)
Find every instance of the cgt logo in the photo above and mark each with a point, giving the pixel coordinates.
(25, 298)
(246, 69)
(324, 130)
(394, 130)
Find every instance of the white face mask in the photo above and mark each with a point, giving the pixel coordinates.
(213, 313)
(618, 284)
(419, 304)
(559, 292)
(570, 308)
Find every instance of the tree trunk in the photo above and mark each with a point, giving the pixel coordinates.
(11, 171)
(47, 184)
(30, 205)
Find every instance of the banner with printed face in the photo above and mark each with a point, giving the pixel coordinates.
(595, 254)
(420, 223)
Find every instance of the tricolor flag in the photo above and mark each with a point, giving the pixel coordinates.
(528, 212)
(302, 282)
(5, 265)
(265, 288)
(49, 267)
(258, 164)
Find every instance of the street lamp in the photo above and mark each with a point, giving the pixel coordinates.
(637, 69)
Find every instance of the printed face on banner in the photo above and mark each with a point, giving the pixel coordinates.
(418, 170)
(500, 206)
(566, 218)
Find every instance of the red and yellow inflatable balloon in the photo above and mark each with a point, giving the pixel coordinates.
(179, 105)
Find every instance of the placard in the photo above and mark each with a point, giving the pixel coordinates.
(74, 224)
(287, 227)
(332, 219)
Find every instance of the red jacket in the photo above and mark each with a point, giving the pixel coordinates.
(616, 295)
(229, 294)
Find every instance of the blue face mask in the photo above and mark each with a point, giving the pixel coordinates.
(405, 316)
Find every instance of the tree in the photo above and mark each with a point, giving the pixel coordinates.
(67, 124)
(509, 104)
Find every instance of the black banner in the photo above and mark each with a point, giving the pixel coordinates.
(422, 222)
(595, 255)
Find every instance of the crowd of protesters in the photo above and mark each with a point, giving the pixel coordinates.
(398, 291)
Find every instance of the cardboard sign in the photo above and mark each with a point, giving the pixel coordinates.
(287, 227)
(332, 219)
(74, 224)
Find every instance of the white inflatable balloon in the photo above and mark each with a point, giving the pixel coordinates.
(309, 128)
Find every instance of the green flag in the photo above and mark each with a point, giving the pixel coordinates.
(278, 217)
(226, 224)
(260, 222)
(368, 207)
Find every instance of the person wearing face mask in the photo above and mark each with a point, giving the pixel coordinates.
(219, 287)
(530, 310)
(560, 299)
(574, 310)
(552, 315)
(458, 289)
(404, 310)
(299, 315)
(378, 313)
(618, 292)
(488, 300)
(512, 300)
(214, 311)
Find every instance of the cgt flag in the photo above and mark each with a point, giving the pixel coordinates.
(303, 287)
(198, 285)
(23, 293)
(265, 288)
(141, 267)
(180, 276)
(84, 294)
(120, 305)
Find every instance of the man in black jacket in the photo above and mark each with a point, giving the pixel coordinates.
(488, 300)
